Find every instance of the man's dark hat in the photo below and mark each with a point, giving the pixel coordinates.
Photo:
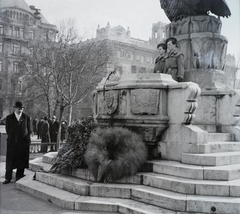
(45, 118)
(18, 104)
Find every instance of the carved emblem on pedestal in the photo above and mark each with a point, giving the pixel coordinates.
(111, 101)
(145, 101)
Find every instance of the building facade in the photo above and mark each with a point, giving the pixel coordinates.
(132, 55)
(20, 24)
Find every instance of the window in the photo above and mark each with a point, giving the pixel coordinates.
(44, 36)
(21, 33)
(138, 58)
(11, 30)
(17, 31)
(15, 67)
(1, 29)
(1, 82)
(142, 70)
(31, 51)
(31, 35)
(1, 66)
(133, 69)
(1, 47)
(16, 48)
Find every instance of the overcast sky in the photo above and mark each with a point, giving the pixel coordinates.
(138, 15)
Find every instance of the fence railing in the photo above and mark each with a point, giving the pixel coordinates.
(36, 147)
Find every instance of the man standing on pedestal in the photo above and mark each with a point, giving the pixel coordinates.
(174, 63)
(18, 128)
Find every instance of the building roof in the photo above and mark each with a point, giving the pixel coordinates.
(22, 5)
(15, 3)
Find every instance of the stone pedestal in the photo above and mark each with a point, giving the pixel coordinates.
(152, 105)
(204, 49)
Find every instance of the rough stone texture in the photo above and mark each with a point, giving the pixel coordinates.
(165, 199)
(175, 184)
(219, 204)
(110, 190)
(211, 159)
(177, 169)
(70, 184)
(222, 173)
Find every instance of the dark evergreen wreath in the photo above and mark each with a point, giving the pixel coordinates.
(71, 154)
(113, 153)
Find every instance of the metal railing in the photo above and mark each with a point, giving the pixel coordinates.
(36, 147)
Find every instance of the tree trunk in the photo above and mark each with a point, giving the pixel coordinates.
(59, 128)
(70, 115)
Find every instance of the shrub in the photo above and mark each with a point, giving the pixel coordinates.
(113, 153)
(71, 154)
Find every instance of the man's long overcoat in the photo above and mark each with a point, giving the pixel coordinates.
(18, 141)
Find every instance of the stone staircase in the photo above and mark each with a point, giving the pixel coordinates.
(204, 182)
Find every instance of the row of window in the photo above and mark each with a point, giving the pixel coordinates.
(17, 32)
(15, 49)
(17, 15)
(20, 32)
(15, 66)
(15, 86)
(130, 56)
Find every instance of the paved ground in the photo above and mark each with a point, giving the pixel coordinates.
(13, 201)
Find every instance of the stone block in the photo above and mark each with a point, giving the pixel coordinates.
(235, 188)
(135, 207)
(175, 184)
(222, 173)
(110, 190)
(160, 198)
(83, 174)
(96, 204)
(211, 159)
(178, 169)
(214, 188)
(205, 204)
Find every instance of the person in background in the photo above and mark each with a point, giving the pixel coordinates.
(18, 128)
(35, 125)
(53, 129)
(39, 128)
(174, 63)
(160, 61)
(45, 135)
(64, 130)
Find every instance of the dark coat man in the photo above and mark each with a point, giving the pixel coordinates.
(35, 125)
(174, 63)
(45, 135)
(18, 128)
(53, 129)
(160, 61)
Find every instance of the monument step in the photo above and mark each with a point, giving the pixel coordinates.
(186, 203)
(213, 137)
(192, 186)
(215, 147)
(71, 201)
(37, 164)
(222, 173)
(211, 159)
(171, 183)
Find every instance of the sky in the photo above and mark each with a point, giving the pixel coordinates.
(138, 15)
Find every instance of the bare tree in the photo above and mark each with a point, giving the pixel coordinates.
(62, 73)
